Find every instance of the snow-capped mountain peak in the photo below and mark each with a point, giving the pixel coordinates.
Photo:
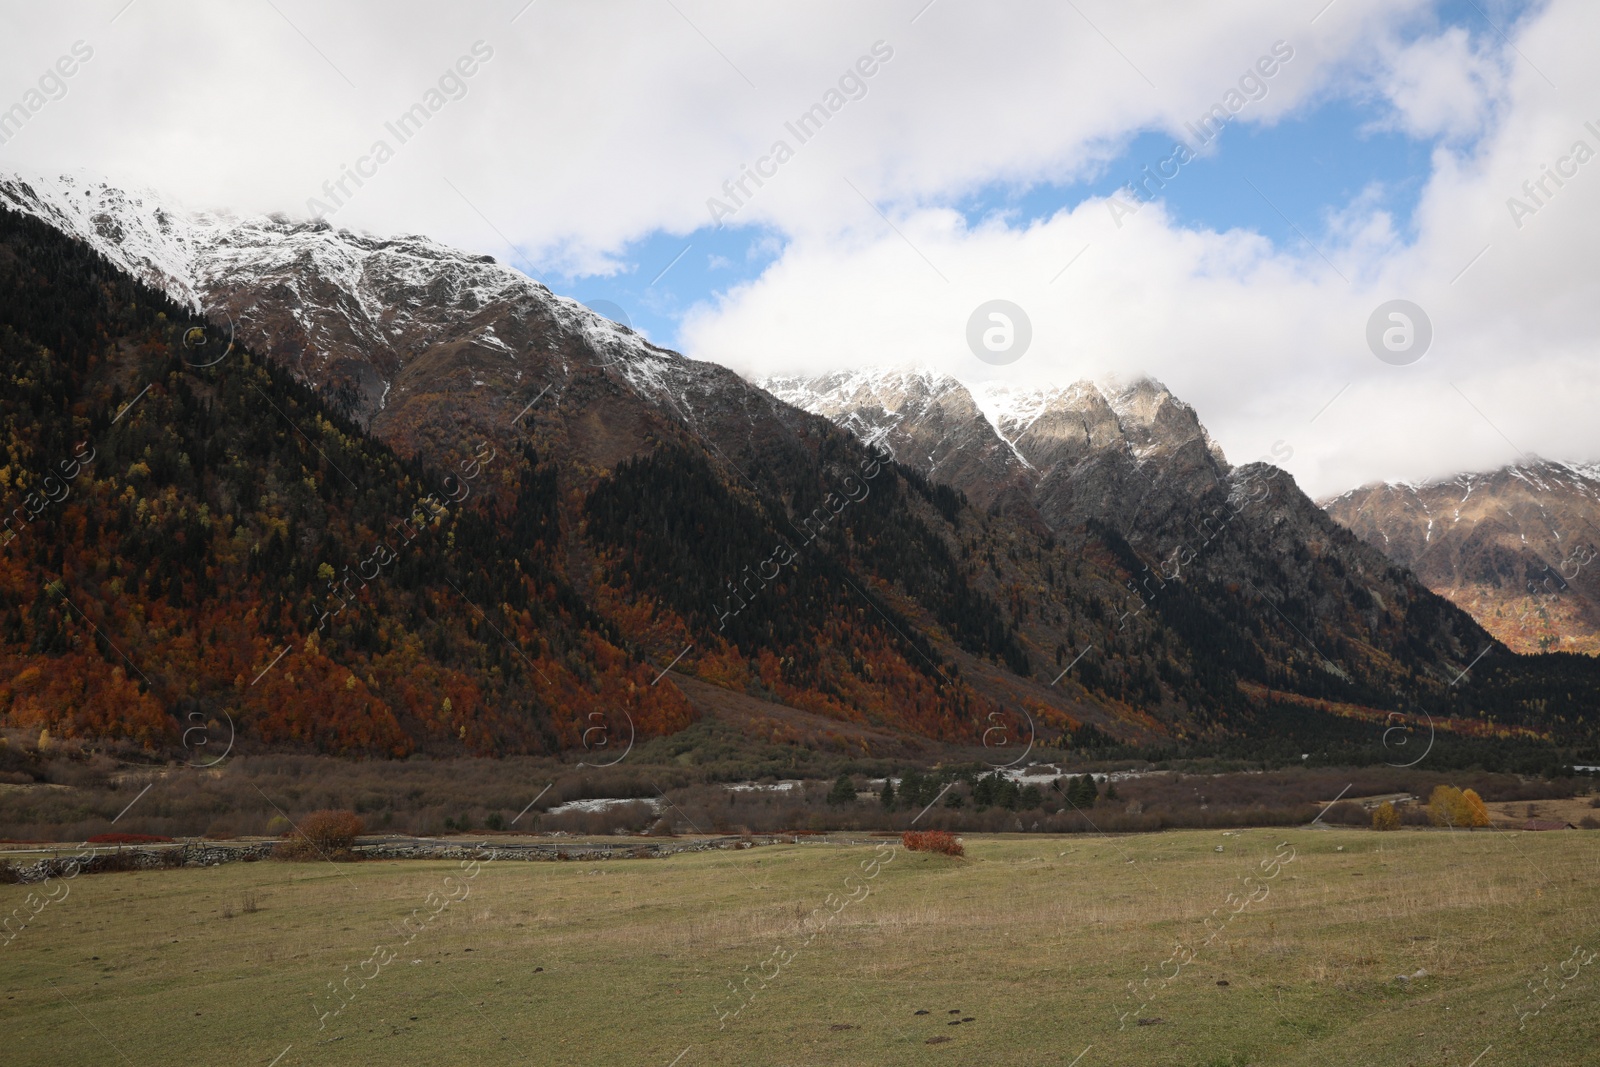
(143, 233)
(1516, 547)
(343, 306)
(1002, 443)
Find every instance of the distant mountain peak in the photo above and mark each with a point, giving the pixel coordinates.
(1511, 546)
(927, 420)
(1033, 440)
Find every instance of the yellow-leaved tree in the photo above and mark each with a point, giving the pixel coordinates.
(1449, 806)
(1385, 817)
(1475, 804)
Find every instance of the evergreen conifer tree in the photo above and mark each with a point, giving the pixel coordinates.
(843, 791)
(913, 789)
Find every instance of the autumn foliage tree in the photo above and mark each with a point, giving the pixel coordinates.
(323, 835)
(1449, 806)
(1384, 817)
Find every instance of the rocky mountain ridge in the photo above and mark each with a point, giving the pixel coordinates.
(1128, 463)
(438, 353)
(1514, 547)
(1069, 454)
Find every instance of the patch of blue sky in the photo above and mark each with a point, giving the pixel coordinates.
(1259, 178)
(1282, 180)
(664, 275)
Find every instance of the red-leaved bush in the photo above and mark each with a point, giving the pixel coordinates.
(940, 841)
(322, 835)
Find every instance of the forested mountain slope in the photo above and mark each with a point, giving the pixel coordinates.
(252, 536)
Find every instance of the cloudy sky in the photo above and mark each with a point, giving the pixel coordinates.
(970, 152)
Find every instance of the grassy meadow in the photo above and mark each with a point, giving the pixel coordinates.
(1033, 939)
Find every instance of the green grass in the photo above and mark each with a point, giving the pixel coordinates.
(1034, 938)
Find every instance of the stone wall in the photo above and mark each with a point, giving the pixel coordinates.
(211, 853)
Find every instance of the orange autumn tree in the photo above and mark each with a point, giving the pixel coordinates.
(1449, 806)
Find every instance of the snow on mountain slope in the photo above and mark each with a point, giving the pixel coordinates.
(138, 231)
(1012, 409)
(345, 309)
(928, 421)
(1060, 447)
(1515, 547)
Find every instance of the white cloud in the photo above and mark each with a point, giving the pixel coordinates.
(596, 125)
(1445, 85)
(1260, 338)
(588, 129)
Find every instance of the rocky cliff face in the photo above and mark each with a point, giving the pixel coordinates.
(1125, 455)
(1516, 548)
(927, 421)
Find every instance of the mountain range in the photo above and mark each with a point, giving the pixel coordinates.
(561, 533)
(1513, 548)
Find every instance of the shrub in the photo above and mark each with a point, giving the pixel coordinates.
(939, 841)
(1384, 817)
(121, 861)
(1345, 813)
(322, 835)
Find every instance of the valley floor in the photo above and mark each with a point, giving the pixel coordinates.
(1279, 947)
